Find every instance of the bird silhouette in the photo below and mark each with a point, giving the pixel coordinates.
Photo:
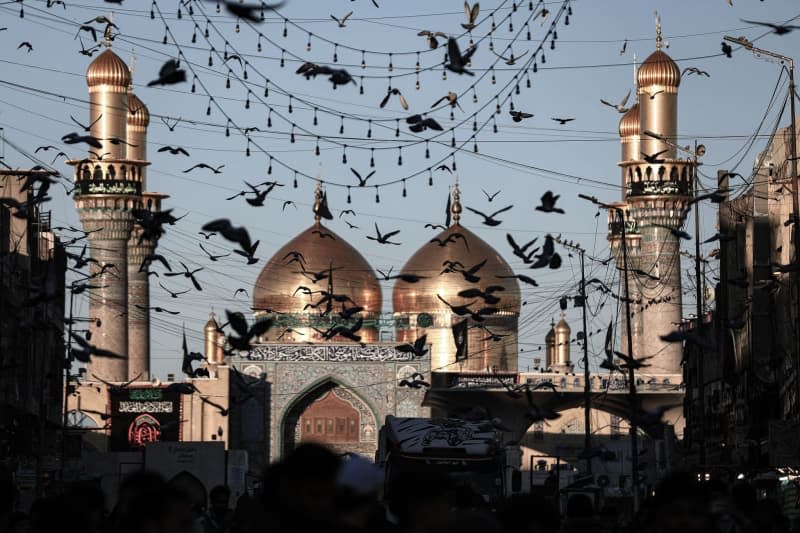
(624, 47)
(75, 138)
(26, 45)
(250, 12)
(522, 251)
(460, 310)
(211, 256)
(418, 124)
(511, 59)
(433, 43)
(676, 232)
(362, 182)
(472, 15)
(87, 350)
(171, 293)
(486, 294)
(653, 159)
(620, 107)
(84, 127)
(188, 274)
(174, 150)
(519, 116)
(417, 347)
(548, 204)
(469, 273)
(157, 309)
(727, 50)
(391, 92)
(170, 73)
(459, 62)
(489, 220)
(342, 22)
(777, 29)
(522, 277)
(561, 121)
(549, 257)
(383, 238)
(688, 71)
(215, 170)
(239, 235)
(451, 238)
(490, 197)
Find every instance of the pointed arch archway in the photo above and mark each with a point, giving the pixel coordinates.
(329, 412)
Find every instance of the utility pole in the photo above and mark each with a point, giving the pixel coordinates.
(587, 385)
(701, 399)
(795, 199)
(619, 215)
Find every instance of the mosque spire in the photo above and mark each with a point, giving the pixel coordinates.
(107, 37)
(317, 202)
(456, 208)
(659, 40)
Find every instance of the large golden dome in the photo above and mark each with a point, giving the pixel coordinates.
(138, 114)
(629, 123)
(276, 286)
(658, 69)
(108, 69)
(421, 297)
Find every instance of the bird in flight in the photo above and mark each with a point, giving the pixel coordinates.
(458, 62)
(169, 74)
(777, 29)
(694, 70)
(472, 15)
(620, 107)
(522, 277)
(418, 124)
(362, 182)
(653, 94)
(390, 93)
(511, 59)
(342, 22)
(549, 203)
(519, 116)
(490, 197)
(215, 170)
(433, 42)
(653, 159)
(89, 127)
(174, 150)
(27, 45)
(451, 98)
(489, 220)
(187, 274)
(210, 255)
(561, 121)
(171, 293)
(522, 251)
(251, 12)
(453, 237)
(624, 47)
(383, 238)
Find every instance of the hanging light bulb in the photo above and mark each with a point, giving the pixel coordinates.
(552, 45)
(475, 147)
(369, 129)
(372, 157)
(194, 34)
(236, 28)
(308, 45)
(269, 118)
(258, 46)
(166, 29)
(416, 85)
(528, 81)
(453, 138)
(194, 79)
(453, 166)
(513, 7)
(494, 80)
(417, 65)
(228, 81)
(474, 96)
(291, 136)
(218, 9)
(208, 109)
(399, 156)
(430, 178)
(316, 151)
(404, 188)
(474, 124)
(225, 52)
(569, 9)
(269, 168)
(152, 12)
(363, 59)
(397, 128)
(290, 103)
(535, 67)
(427, 150)
(266, 88)
(205, 33)
(494, 124)
(361, 86)
(544, 59)
(497, 105)
(295, 179)
(516, 88)
(452, 114)
(247, 101)
(341, 125)
(444, 74)
(493, 24)
(335, 55)
(285, 28)
(377, 195)
(566, 20)
(510, 26)
(344, 154)
(228, 128)
(247, 151)
(244, 71)
(349, 201)
(283, 60)
(315, 116)
(528, 31)
(391, 66)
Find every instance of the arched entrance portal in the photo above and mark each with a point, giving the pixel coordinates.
(333, 416)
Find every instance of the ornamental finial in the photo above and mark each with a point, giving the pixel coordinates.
(456, 209)
(659, 40)
(317, 201)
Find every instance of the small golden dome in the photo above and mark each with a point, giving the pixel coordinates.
(211, 325)
(550, 337)
(562, 327)
(658, 69)
(108, 69)
(421, 297)
(629, 123)
(276, 286)
(138, 114)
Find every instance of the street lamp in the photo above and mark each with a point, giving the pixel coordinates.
(795, 192)
(699, 151)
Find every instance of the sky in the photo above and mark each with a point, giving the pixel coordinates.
(732, 112)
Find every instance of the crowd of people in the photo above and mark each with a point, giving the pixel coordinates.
(314, 489)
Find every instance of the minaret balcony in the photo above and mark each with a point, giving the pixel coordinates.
(111, 176)
(668, 177)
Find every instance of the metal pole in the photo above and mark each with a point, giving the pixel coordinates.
(796, 232)
(631, 376)
(701, 401)
(587, 389)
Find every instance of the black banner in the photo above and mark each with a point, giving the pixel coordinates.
(460, 338)
(141, 416)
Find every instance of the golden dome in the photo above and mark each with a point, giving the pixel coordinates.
(421, 297)
(108, 69)
(550, 337)
(211, 325)
(277, 284)
(562, 327)
(658, 69)
(138, 114)
(629, 124)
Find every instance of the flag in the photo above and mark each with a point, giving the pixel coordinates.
(460, 338)
(322, 210)
(447, 212)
